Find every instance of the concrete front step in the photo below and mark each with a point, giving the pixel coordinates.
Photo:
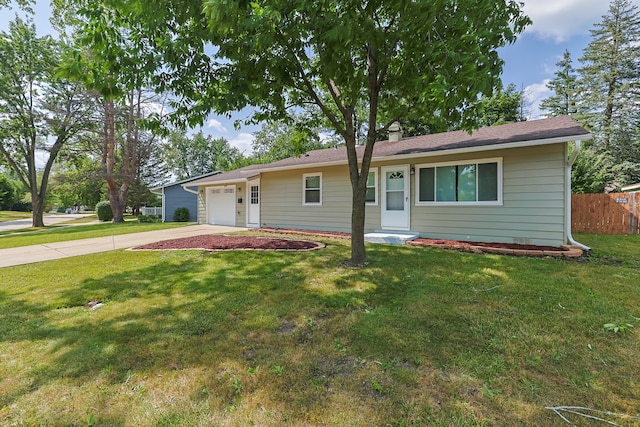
(392, 237)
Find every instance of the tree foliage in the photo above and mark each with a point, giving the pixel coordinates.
(604, 96)
(77, 182)
(280, 139)
(565, 88)
(39, 112)
(188, 157)
(11, 192)
(610, 69)
(504, 106)
(396, 59)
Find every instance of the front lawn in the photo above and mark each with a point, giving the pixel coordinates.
(420, 336)
(76, 232)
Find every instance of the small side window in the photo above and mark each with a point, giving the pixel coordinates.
(312, 189)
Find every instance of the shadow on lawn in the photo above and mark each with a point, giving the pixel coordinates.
(321, 324)
(225, 311)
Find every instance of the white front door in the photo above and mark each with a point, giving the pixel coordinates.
(395, 197)
(253, 205)
(221, 205)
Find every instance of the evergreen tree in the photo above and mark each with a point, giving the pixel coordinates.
(565, 88)
(505, 106)
(609, 77)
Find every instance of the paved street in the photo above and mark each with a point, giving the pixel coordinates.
(48, 220)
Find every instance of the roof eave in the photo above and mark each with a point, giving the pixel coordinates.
(520, 144)
(476, 149)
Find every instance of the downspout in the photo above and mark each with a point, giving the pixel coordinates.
(570, 163)
(188, 190)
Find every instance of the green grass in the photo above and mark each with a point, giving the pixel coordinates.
(64, 234)
(13, 215)
(420, 337)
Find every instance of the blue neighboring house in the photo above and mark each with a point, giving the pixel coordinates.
(175, 196)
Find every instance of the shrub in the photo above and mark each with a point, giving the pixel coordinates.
(181, 215)
(104, 212)
(22, 206)
(149, 218)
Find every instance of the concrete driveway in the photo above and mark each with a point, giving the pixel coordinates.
(52, 251)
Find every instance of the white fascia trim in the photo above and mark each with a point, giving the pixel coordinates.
(494, 147)
(216, 183)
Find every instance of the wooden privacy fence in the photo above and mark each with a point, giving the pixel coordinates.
(613, 213)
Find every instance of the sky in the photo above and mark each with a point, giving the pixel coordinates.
(529, 63)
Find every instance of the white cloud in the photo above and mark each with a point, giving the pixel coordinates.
(243, 142)
(559, 20)
(535, 93)
(217, 125)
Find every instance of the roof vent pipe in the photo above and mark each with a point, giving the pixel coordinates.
(395, 132)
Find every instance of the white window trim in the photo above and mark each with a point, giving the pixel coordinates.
(304, 188)
(375, 181)
(498, 202)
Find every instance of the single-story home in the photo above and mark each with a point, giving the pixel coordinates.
(175, 196)
(508, 184)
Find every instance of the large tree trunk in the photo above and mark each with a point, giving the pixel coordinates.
(38, 210)
(358, 254)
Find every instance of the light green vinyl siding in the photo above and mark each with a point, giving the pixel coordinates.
(241, 208)
(533, 209)
(282, 201)
(202, 208)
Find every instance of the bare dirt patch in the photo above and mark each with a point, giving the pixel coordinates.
(221, 242)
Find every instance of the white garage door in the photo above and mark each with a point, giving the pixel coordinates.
(221, 205)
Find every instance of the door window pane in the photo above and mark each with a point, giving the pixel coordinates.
(255, 195)
(395, 200)
(395, 190)
(395, 181)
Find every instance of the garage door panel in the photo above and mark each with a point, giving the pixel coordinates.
(221, 205)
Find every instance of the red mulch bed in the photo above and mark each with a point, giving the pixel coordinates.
(479, 247)
(219, 242)
(462, 244)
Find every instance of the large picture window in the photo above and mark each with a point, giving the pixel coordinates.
(312, 189)
(470, 182)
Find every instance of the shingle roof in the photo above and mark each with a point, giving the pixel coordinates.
(534, 131)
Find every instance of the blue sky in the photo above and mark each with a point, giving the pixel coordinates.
(529, 63)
